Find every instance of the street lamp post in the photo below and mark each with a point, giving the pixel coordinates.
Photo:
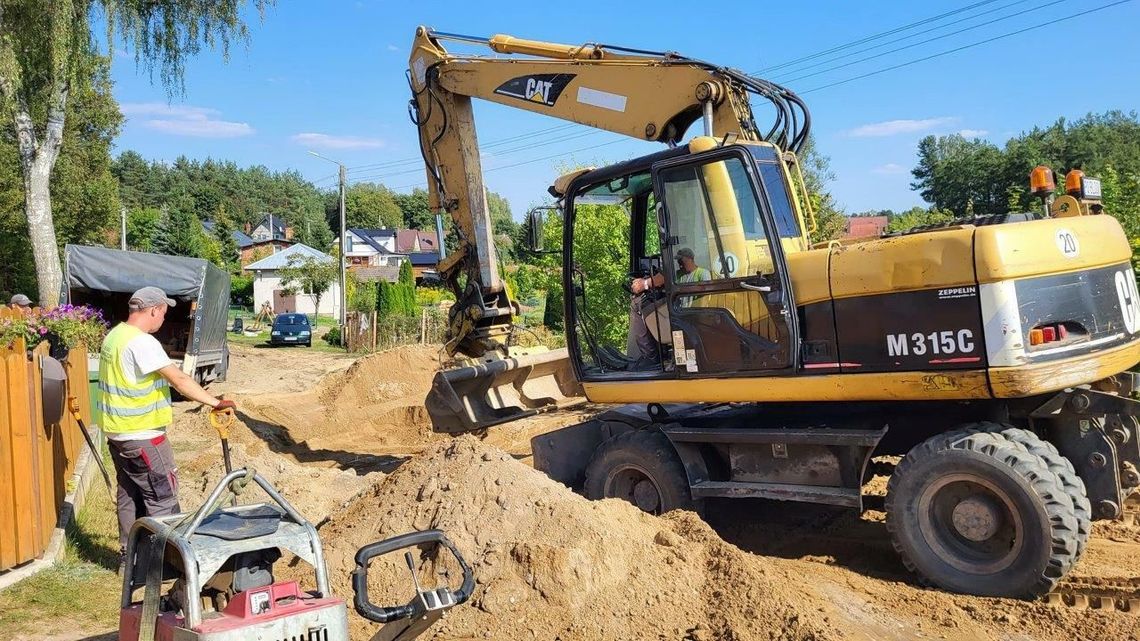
(343, 301)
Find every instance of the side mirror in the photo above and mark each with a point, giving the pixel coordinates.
(535, 225)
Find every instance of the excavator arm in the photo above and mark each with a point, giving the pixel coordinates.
(654, 96)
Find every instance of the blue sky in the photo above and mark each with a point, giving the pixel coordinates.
(329, 76)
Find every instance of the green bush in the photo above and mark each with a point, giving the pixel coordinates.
(332, 337)
(241, 290)
(432, 296)
(361, 295)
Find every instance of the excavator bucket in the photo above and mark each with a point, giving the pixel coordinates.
(475, 397)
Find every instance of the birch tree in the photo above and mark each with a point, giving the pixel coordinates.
(45, 50)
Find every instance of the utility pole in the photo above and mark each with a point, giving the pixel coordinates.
(343, 294)
(123, 228)
(342, 257)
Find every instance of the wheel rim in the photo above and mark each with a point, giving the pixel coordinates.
(970, 523)
(632, 483)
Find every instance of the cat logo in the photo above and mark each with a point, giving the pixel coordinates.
(543, 88)
(538, 90)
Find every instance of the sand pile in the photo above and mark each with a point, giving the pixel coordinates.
(314, 491)
(550, 564)
(376, 404)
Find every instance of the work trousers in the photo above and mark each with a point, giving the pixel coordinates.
(148, 481)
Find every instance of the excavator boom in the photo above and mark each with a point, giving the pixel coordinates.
(653, 96)
(647, 95)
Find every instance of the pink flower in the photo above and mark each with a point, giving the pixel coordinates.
(43, 331)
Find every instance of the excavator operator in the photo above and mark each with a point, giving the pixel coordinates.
(687, 272)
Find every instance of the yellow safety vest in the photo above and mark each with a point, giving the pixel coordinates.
(130, 407)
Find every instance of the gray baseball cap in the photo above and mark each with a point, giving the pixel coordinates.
(148, 297)
(21, 300)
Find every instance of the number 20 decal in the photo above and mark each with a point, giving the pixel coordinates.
(918, 344)
(1127, 295)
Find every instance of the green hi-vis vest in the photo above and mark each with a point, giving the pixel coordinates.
(130, 407)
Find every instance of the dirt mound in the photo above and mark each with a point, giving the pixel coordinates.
(382, 377)
(315, 492)
(550, 564)
(376, 405)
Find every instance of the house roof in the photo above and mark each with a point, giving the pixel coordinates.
(420, 259)
(406, 240)
(369, 236)
(863, 226)
(270, 241)
(278, 222)
(240, 237)
(281, 258)
(389, 273)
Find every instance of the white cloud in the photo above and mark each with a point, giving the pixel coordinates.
(972, 133)
(325, 141)
(895, 127)
(393, 48)
(185, 120)
(890, 168)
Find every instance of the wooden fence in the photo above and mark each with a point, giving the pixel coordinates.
(369, 332)
(36, 460)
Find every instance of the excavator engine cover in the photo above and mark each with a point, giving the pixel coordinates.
(478, 396)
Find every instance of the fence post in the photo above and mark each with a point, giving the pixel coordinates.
(373, 317)
(423, 326)
(10, 385)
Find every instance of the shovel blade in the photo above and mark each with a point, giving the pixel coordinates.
(476, 397)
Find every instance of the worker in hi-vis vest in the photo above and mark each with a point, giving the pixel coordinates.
(135, 377)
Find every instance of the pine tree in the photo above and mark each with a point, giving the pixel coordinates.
(224, 235)
(179, 234)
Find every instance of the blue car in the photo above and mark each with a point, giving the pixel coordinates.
(291, 329)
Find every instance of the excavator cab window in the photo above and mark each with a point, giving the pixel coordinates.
(729, 308)
(603, 255)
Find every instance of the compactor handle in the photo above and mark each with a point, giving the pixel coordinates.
(365, 554)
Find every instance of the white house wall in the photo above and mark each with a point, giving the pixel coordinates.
(267, 281)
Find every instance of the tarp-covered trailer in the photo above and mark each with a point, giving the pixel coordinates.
(194, 333)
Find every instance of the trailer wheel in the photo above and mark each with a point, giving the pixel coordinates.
(979, 514)
(641, 467)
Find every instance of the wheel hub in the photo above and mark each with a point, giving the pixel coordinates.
(634, 484)
(645, 496)
(970, 523)
(977, 518)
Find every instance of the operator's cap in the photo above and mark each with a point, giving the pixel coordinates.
(148, 297)
(685, 252)
(21, 300)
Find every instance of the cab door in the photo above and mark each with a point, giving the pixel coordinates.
(732, 313)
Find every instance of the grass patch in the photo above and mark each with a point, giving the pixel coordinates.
(82, 590)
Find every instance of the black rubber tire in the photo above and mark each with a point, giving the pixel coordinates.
(1063, 468)
(1058, 464)
(1049, 532)
(650, 454)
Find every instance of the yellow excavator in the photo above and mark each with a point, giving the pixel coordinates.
(990, 353)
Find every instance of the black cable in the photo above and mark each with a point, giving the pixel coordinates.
(907, 37)
(874, 37)
(918, 44)
(964, 47)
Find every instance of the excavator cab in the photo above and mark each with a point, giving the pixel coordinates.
(712, 223)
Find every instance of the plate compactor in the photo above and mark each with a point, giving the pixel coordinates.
(208, 575)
